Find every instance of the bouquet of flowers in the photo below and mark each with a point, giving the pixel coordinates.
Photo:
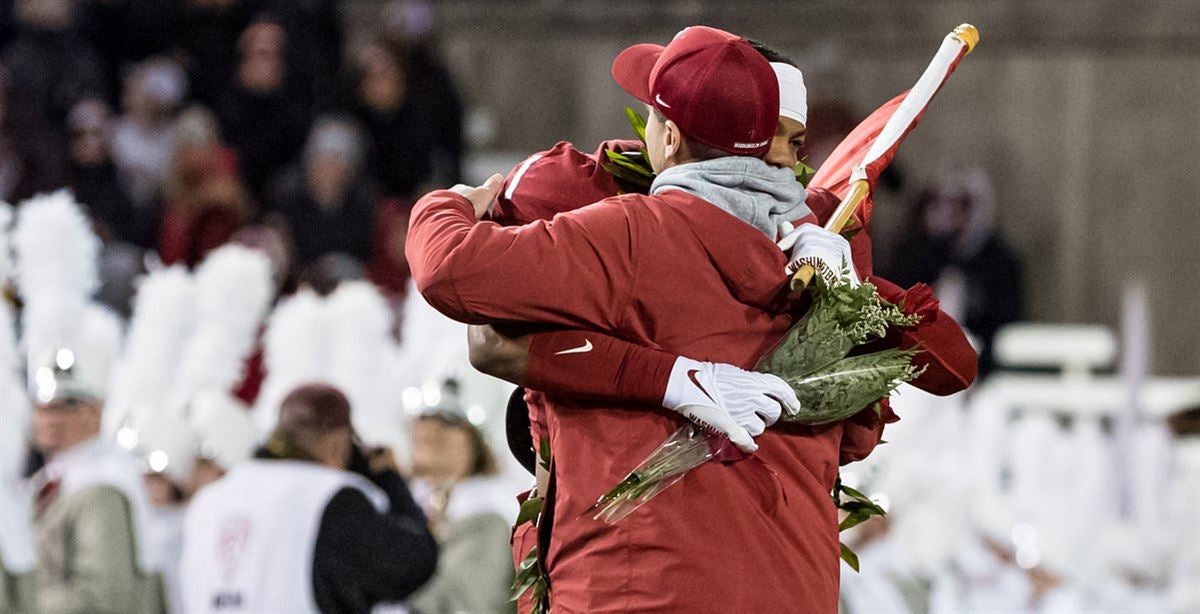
(815, 358)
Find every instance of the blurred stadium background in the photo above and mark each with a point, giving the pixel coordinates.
(1067, 479)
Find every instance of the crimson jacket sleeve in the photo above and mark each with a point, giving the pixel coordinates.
(559, 179)
(575, 271)
(592, 366)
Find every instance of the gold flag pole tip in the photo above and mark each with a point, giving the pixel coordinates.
(968, 35)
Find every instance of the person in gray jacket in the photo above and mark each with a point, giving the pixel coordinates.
(470, 509)
(90, 504)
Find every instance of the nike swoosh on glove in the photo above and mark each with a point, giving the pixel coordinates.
(726, 400)
(824, 250)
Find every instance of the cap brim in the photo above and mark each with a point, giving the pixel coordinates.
(632, 67)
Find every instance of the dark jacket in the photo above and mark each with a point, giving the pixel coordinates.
(363, 558)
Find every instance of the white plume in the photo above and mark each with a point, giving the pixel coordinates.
(361, 357)
(346, 341)
(56, 271)
(297, 348)
(224, 428)
(55, 246)
(164, 314)
(431, 351)
(104, 332)
(14, 404)
(6, 259)
(10, 364)
(166, 442)
(234, 290)
(97, 347)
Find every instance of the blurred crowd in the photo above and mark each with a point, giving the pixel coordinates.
(190, 128)
(182, 123)
(181, 128)
(358, 474)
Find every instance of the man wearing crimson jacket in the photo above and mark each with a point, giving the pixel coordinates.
(563, 178)
(691, 269)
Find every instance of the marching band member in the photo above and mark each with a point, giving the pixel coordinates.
(90, 506)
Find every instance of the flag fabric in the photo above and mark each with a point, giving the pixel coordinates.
(863, 146)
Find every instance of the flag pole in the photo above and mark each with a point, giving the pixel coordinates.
(956, 45)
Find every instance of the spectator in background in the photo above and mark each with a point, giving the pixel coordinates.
(314, 523)
(92, 177)
(471, 511)
(126, 32)
(27, 167)
(315, 53)
(205, 199)
(261, 115)
(413, 116)
(209, 42)
(49, 70)
(955, 247)
(142, 136)
(325, 201)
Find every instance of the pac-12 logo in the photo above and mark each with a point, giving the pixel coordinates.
(231, 545)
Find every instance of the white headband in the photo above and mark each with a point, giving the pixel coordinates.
(793, 97)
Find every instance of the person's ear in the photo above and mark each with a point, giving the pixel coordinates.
(672, 140)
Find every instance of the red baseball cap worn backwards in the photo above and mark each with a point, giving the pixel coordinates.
(711, 83)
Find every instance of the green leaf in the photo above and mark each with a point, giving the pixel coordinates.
(854, 494)
(860, 502)
(522, 583)
(849, 556)
(528, 574)
(630, 163)
(638, 123)
(529, 510)
(544, 452)
(637, 180)
(853, 520)
(541, 602)
(855, 507)
(804, 173)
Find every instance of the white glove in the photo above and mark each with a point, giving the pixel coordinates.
(825, 251)
(726, 400)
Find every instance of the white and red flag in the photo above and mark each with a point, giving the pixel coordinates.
(853, 168)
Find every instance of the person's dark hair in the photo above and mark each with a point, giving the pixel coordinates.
(314, 407)
(698, 151)
(484, 462)
(306, 414)
(770, 53)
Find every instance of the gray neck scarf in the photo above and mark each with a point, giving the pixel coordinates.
(746, 188)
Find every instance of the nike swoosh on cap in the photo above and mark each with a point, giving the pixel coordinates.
(586, 347)
(659, 100)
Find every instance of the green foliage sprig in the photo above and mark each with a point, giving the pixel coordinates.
(859, 508)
